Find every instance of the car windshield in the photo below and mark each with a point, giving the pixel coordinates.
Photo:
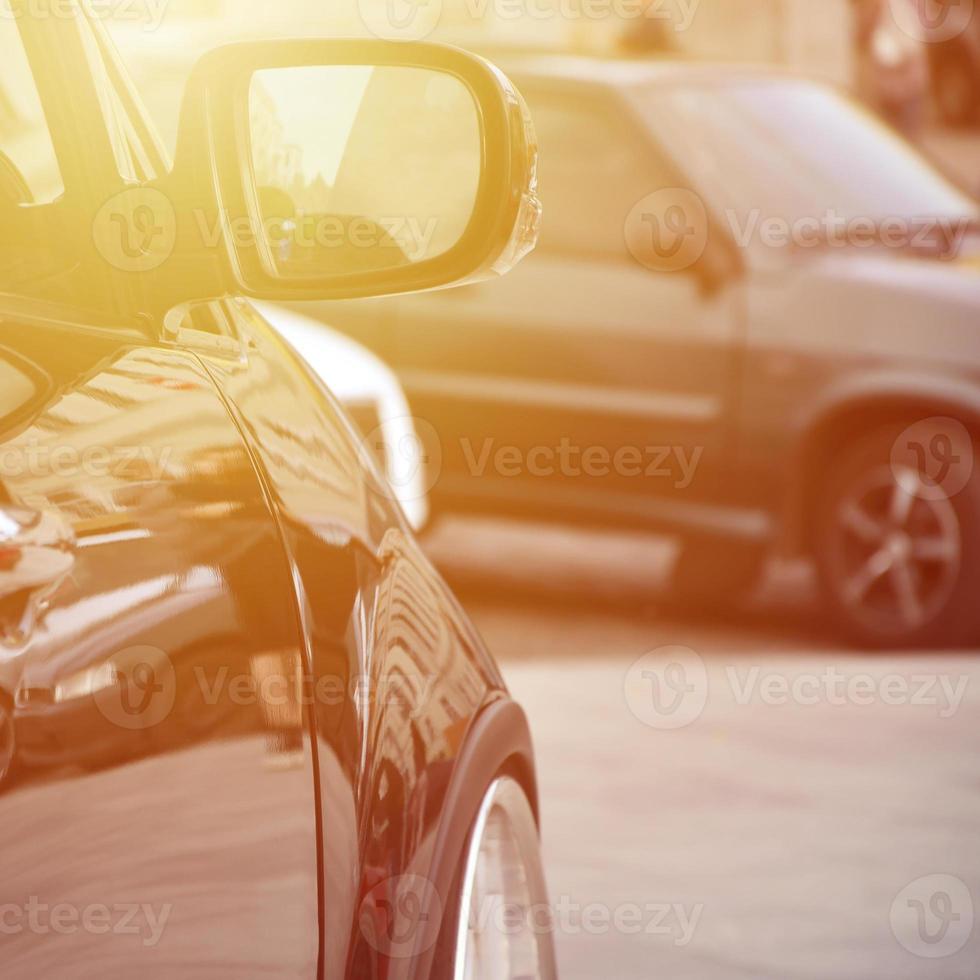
(794, 150)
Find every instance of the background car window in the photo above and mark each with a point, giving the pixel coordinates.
(732, 140)
(593, 169)
(25, 139)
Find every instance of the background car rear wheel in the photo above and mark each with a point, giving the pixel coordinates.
(503, 873)
(897, 566)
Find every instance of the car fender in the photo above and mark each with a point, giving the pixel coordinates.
(873, 394)
(499, 740)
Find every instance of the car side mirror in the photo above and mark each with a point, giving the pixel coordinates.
(342, 169)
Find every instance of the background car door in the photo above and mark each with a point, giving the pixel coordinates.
(160, 815)
(582, 347)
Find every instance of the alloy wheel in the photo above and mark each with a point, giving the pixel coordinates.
(897, 552)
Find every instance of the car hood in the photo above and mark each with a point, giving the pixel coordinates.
(870, 302)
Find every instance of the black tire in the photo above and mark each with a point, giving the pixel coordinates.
(455, 910)
(713, 574)
(891, 582)
(957, 88)
(8, 744)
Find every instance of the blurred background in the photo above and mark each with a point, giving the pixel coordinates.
(672, 486)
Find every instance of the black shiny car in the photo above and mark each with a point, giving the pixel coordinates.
(245, 729)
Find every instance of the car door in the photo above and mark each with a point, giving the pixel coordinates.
(160, 811)
(396, 672)
(585, 380)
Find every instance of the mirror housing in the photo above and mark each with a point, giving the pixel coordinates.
(212, 190)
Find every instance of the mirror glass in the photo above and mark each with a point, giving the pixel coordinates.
(361, 168)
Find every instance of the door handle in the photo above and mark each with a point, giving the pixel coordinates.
(37, 551)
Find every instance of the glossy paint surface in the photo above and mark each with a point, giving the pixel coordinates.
(246, 673)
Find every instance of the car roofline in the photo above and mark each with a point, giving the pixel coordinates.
(632, 73)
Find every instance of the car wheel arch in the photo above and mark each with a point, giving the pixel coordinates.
(498, 743)
(851, 416)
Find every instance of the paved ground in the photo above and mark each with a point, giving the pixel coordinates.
(772, 833)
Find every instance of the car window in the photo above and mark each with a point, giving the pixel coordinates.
(750, 147)
(594, 167)
(27, 157)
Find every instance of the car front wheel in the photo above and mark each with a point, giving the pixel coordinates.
(505, 927)
(898, 558)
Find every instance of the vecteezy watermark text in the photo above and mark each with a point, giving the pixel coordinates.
(41, 460)
(410, 234)
(417, 19)
(668, 688)
(149, 13)
(669, 920)
(39, 918)
(277, 689)
(835, 230)
(136, 688)
(676, 463)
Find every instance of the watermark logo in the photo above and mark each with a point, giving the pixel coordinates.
(832, 229)
(676, 464)
(667, 688)
(835, 688)
(417, 19)
(667, 231)
(139, 688)
(932, 21)
(136, 230)
(42, 460)
(410, 453)
(673, 922)
(395, 238)
(932, 917)
(149, 13)
(39, 918)
(401, 20)
(400, 917)
(936, 456)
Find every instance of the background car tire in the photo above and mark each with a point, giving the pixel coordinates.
(710, 573)
(896, 581)
(8, 745)
(957, 89)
